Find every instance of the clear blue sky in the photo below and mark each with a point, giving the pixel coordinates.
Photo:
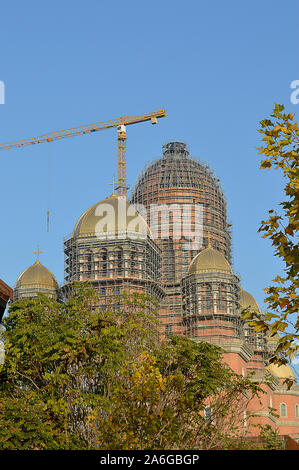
(217, 67)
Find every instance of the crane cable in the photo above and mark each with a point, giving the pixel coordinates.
(50, 152)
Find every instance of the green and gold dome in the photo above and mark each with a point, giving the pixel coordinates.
(247, 301)
(37, 278)
(112, 217)
(281, 372)
(209, 260)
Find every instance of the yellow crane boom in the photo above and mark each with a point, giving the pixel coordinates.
(120, 123)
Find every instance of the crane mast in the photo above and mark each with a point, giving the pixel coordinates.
(122, 161)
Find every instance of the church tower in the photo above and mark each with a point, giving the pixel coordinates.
(112, 248)
(184, 204)
(211, 301)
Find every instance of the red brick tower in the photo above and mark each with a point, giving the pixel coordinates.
(185, 206)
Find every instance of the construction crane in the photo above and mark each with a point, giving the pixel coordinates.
(120, 123)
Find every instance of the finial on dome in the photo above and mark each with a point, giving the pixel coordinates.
(113, 185)
(209, 240)
(37, 253)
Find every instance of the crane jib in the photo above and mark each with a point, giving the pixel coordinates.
(121, 122)
(85, 129)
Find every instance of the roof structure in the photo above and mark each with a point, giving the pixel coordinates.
(209, 260)
(6, 294)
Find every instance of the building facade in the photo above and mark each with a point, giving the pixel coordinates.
(172, 240)
(6, 294)
(112, 248)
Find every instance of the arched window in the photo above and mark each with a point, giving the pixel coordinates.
(260, 340)
(103, 262)
(117, 293)
(168, 330)
(103, 291)
(118, 261)
(133, 262)
(296, 411)
(88, 262)
(221, 297)
(283, 410)
(208, 297)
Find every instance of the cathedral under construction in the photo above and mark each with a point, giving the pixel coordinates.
(171, 239)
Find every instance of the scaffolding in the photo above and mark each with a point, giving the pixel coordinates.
(212, 312)
(113, 265)
(33, 290)
(175, 185)
(204, 306)
(211, 306)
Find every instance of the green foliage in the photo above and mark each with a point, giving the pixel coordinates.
(160, 401)
(198, 363)
(138, 415)
(67, 356)
(268, 439)
(281, 151)
(77, 376)
(27, 424)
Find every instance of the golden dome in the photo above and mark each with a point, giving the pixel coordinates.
(282, 372)
(112, 216)
(247, 301)
(36, 276)
(209, 260)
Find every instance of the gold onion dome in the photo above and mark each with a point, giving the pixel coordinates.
(282, 372)
(111, 217)
(209, 261)
(247, 301)
(36, 276)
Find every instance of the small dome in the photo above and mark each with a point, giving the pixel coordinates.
(282, 372)
(209, 260)
(247, 301)
(110, 217)
(36, 276)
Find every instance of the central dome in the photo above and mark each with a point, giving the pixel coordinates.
(209, 260)
(112, 217)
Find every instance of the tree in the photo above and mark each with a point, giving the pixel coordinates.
(27, 424)
(77, 376)
(65, 356)
(213, 399)
(281, 149)
(139, 414)
(160, 401)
